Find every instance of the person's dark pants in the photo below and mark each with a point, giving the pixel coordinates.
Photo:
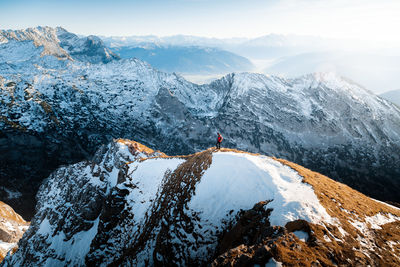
(218, 145)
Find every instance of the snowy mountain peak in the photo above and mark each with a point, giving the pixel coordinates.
(133, 206)
(60, 43)
(45, 37)
(87, 49)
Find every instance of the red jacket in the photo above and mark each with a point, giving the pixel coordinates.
(219, 140)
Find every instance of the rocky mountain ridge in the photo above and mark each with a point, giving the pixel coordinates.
(57, 112)
(61, 44)
(131, 205)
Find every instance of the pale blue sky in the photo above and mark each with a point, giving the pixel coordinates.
(358, 19)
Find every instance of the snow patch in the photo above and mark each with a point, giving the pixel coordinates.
(147, 177)
(44, 228)
(9, 225)
(5, 246)
(374, 221)
(273, 263)
(327, 239)
(380, 219)
(303, 236)
(342, 231)
(73, 250)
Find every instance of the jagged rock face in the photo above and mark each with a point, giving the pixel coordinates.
(57, 112)
(132, 206)
(12, 227)
(60, 43)
(87, 49)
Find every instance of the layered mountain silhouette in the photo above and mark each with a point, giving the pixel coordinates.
(133, 206)
(186, 59)
(59, 104)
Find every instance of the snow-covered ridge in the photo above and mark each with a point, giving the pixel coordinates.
(59, 43)
(237, 174)
(40, 36)
(132, 205)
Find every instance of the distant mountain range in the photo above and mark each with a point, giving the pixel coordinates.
(375, 67)
(265, 47)
(376, 72)
(57, 109)
(56, 42)
(186, 59)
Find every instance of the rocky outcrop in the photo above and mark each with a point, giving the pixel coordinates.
(87, 49)
(12, 227)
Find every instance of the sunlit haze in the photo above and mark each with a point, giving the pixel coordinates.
(376, 21)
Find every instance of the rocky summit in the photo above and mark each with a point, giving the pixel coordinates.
(63, 96)
(133, 206)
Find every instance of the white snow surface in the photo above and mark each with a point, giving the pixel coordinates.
(375, 221)
(72, 251)
(380, 219)
(273, 263)
(303, 236)
(238, 181)
(5, 246)
(148, 176)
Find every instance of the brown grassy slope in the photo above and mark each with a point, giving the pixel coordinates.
(335, 196)
(375, 247)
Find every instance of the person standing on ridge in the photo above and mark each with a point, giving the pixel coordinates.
(219, 140)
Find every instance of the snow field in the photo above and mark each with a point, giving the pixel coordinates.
(237, 181)
(147, 177)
